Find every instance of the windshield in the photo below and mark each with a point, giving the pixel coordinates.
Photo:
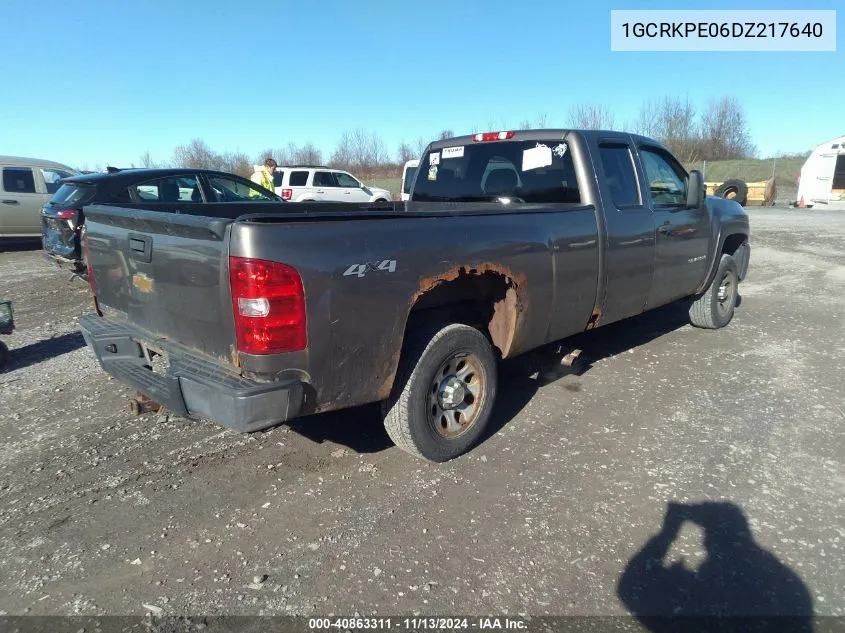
(522, 171)
(73, 194)
(409, 179)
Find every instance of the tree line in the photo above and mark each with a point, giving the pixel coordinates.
(719, 131)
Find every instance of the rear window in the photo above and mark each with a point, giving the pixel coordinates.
(298, 178)
(527, 171)
(409, 179)
(278, 178)
(73, 194)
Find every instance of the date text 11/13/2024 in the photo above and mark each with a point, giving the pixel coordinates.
(418, 624)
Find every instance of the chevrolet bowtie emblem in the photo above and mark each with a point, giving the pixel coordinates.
(142, 282)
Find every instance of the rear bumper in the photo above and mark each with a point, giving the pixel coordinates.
(193, 384)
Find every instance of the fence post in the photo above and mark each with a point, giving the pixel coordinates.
(704, 171)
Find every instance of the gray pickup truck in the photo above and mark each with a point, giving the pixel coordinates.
(511, 240)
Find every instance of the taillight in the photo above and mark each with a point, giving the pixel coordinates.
(492, 136)
(287, 194)
(269, 306)
(87, 254)
(67, 214)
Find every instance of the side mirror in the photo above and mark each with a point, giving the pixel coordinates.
(695, 190)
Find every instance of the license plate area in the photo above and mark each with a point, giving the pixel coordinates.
(157, 359)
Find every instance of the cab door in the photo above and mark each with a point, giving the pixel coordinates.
(629, 252)
(353, 191)
(682, 235)
(325, 187)
(21, 200)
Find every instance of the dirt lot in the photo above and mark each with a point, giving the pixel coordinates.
(103, 513)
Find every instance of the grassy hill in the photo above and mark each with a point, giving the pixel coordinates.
(749, 170)
(753, 169)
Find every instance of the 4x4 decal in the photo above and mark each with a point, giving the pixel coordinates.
(359, 270)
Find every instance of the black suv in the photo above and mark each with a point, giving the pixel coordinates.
(62, 217)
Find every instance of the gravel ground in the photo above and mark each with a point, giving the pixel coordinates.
(104, 513)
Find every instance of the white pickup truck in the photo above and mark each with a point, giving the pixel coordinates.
(408, 173)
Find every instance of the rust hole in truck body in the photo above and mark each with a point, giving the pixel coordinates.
(494, 287)
(494, 292)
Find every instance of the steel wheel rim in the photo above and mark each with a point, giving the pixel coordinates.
(456, 394)
(727, 293)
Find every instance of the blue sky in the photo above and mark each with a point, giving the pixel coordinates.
(102, 81)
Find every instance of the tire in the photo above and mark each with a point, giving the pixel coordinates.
(734, 189)
(4, 355)
(380, 200)
(426, 415)
(708, 310)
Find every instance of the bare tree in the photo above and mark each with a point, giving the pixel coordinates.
(359, 149)
(196, 154)
(590, 116)
(236, 163)
(404, 153)
(677, 129)
(419, 146)
(265, 154)
(446, 134)
(525, 124)
(146, 160)
(542, 120)
(648, 120)
(308, 154)
(724, 131)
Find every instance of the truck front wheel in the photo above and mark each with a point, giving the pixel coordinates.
(444, 392)
(715, 307)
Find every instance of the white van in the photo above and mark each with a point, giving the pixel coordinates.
(408, 174)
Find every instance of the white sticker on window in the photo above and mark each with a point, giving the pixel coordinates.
(432, 172)
(453, 152)
(559, 150)
(434, 158)
(536, 157)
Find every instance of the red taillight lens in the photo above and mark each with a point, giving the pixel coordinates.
(87, 254)
(493, 136)
(269, 306)
(67, 214)
(287, 194)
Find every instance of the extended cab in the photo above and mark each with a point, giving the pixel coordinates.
(510, 240)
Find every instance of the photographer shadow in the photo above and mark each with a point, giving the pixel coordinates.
(739, 586)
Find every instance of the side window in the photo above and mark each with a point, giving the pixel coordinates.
(345, 180)
(52, 178)
(171, 189)
(618, 165)
(232, 190)
(324, 179)
(18, 180)
(298, 179)
(278, 178)
(666, 180)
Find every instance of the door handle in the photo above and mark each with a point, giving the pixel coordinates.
(10, 202)
(141, 247)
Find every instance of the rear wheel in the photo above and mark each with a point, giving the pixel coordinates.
(444, 392)
(715, 307)
(4, 354)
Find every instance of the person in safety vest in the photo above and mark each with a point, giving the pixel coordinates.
(264, 176)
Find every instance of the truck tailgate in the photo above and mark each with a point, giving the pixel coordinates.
(164, 272)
